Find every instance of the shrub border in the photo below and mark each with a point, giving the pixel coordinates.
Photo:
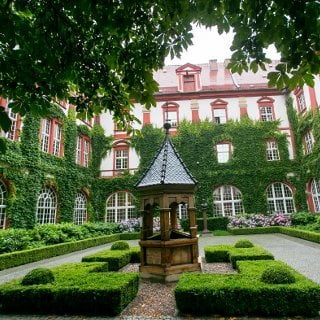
(292, 232)
(17, 258)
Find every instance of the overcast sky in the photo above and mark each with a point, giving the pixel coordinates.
(208, 44)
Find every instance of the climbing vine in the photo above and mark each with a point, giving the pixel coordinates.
(26, 169)
(248, 169)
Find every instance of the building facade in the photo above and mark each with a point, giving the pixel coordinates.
(252, 149)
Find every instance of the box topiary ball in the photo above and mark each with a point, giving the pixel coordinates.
(120, 245)
(243, 243)
(38, 276)
(277, 275)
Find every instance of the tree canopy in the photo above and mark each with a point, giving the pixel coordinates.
(101, 54)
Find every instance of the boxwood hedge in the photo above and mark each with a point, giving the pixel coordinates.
(229, 253)
(76, 290)
(244, 294)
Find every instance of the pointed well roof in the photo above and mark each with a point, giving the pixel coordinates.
(167, 168)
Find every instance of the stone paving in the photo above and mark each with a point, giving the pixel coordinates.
(304, 256)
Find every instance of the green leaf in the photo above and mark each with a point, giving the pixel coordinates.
(5, 122)
(3, 146)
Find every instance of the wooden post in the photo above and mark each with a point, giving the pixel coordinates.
(164, 224)
(192, 222)
(173, 217)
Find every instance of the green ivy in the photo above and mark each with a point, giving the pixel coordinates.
(248, 169)
(27, 169)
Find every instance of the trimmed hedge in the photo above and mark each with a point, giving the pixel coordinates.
(229, 253)
(293, 232)
(135, 254)
(302, 234)
(217, 253)
(116, 259)
(130, 236)
(214, 223)
(244, 294)
(257, 230)
(13, 259)
(77, 290)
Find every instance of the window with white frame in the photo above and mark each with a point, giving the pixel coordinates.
(170, 111)
(57, 130)
(280, 199)
(121, 159)
(51, 136)
(3, 193)
(13, 133)
(315, 192)
(172, 118)
(83, 151)
(80, 209)
(272, 151)
(301, 102)
(219, 115)
(183, 211)
(227, 201)
(308, 142)
(266, 113)
(120, 206)
(46, 207)
(45, 134)
(223, 152)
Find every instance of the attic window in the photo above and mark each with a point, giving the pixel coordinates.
(189, 82)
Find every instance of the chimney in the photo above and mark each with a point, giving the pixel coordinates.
(213, 65)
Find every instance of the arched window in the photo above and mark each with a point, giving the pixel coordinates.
(80, 209)
(227, 201)
(120, 206)
(3, 191)
(280, 199)
(315, 191)
(266, 109)
(47, 206)
(219, 111)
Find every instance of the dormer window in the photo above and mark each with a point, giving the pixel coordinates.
(189, 82)
(189, 78)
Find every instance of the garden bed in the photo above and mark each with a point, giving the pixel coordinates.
(244, 294)
(78, 289)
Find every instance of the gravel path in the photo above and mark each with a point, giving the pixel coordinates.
(156, 300)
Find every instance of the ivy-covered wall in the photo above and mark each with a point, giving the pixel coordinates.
(26, 169)
(247, 169)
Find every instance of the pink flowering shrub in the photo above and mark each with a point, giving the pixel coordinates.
(259, 220)
(156, 224)
(130, 225)
(133, 225)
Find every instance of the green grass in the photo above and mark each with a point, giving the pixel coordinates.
(221, 233)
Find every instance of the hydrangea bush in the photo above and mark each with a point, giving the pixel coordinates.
(133, 225)
(259, 220)
(130, 225)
